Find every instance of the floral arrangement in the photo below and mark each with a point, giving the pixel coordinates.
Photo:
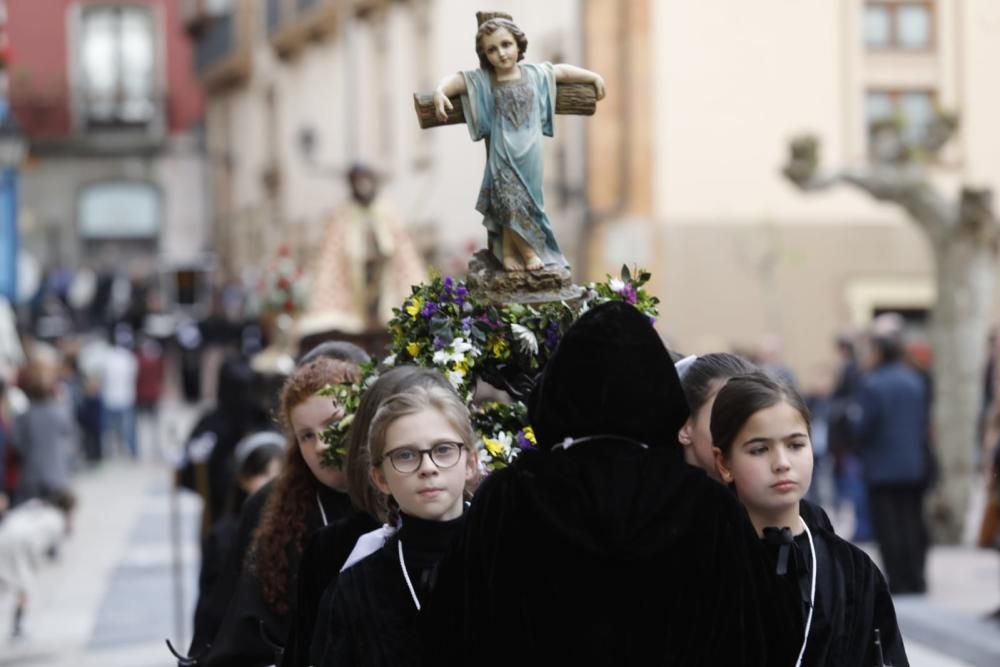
(282, 288)
(441, 325)
(347, 395)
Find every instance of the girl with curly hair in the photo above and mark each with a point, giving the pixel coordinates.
(306, 496)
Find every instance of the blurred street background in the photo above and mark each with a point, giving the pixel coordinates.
(179, 182)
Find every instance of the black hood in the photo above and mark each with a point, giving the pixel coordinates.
(610, 375)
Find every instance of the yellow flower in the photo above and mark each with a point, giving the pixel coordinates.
(413, 349)
(494, 447)
(414, 308)
(498, 347)
(529, 435)
(462, 366)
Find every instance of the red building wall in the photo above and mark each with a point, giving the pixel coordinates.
(40, 85)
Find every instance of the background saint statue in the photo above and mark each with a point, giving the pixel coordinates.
(364, 267)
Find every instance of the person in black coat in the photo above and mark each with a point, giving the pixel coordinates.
(892, 422)
(761, 430)
(603, 547)
(329, 548)
(306, 496)
(423, 457)
(258, 460)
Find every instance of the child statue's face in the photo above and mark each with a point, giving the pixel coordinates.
(501, 50)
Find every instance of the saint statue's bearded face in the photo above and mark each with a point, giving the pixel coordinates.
(363, 187)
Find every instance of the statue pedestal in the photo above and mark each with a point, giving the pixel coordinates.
(489, 281)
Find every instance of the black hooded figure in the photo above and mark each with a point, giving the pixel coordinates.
(603, 547)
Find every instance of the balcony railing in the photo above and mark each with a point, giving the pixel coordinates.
(273, 15)
(222, 49)
(293, 23)
(216, 42)
(91, 120)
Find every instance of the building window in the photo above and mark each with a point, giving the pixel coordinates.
(118, 210)
(913, 109)
(117, 60)
(907, 26)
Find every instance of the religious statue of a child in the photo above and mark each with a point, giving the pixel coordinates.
(511, 104)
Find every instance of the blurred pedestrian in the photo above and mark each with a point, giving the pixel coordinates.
(118, 391)
(45, 435)
(849, 482)
(891, 429)
(4, 446)
(149, 387)
(29, 534)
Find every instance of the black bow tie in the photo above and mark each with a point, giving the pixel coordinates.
(781, 538)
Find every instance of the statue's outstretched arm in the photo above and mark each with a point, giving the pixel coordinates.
(573, 74)
(451, 85)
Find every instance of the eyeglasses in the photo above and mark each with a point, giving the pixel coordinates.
(409, 459)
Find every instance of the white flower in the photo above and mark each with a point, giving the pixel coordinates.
(460, 346)
(616, 285)
(529, 344)
(372, 379)
(441, 357)
(456, 378)
(389, 361)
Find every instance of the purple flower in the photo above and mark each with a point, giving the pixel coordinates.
(439, 343)
(466, 324)
(486, 319)
(448, 283)
(629, 294)
(652, 320)
(429, 309)
(522, 441)
(551, 335)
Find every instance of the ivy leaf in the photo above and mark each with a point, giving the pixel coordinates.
(626, 274)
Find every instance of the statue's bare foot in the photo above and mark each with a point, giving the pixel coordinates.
(533, 263)
(512, 263)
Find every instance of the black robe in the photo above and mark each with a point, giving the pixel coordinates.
(611, 551)
(212, 608)
(372, 615)
(251, 634)
(852, 601)
(321, 562)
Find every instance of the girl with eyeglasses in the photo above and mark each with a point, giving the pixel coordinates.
(423, 459)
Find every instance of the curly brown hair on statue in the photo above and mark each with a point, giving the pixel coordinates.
(282, 528)
(490, 27)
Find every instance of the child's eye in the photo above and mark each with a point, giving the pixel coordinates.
(798, 444)
(757, 451)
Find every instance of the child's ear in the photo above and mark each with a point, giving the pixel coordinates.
(378, 479)
(471, 465)
(725, 474)
(684, 435)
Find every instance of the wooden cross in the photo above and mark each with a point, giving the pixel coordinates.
(576, 99)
